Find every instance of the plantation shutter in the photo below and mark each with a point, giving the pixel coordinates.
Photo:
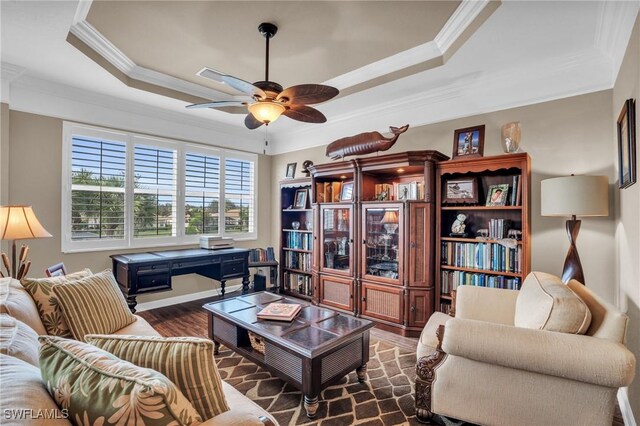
(97, 189)
(202, 194)
(239, 208)
(154, 201)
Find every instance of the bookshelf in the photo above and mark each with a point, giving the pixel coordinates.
(296, 239)
(482, 254)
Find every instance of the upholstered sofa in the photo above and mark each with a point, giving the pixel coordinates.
(481, 368)
(22, 386)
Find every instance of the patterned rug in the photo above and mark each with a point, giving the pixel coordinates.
(386, 397)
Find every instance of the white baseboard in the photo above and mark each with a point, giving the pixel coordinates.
(145, 306)
(625, 407)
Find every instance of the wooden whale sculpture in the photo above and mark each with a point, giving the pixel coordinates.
(364, 143)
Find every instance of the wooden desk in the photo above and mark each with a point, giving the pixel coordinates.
(139, 273)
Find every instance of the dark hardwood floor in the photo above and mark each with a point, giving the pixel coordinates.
(189, 319)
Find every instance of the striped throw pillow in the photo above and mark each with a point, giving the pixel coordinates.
(93, 305)
(46, 301)
(187, 361)
(98, 388)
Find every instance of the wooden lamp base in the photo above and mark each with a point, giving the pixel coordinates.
(572, 269)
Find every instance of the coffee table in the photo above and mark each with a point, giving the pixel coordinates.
(315, 350)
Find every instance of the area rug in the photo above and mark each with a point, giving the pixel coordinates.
(386, 397)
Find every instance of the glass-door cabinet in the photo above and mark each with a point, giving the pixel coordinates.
(382, 242)
(336, 239)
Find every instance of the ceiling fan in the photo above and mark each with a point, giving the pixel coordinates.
(268, 100)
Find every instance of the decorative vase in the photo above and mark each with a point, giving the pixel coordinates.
(295, 225)
(308, 225)
(511, 133)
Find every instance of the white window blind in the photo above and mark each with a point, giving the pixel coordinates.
(239, 196)
(154, 203)
(202, 194)
(97, 189)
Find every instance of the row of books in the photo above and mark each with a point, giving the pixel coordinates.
(516, 189)
(498, 228)
(295, 260)
(399, 191)
(445, 307)
(262, 255)
(487, 256)
(299, 240)
(298, 283)
(450, 280)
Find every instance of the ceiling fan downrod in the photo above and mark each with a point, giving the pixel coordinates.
(268, 30)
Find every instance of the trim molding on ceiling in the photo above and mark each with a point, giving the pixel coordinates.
(468, 17)
(8, 73)
(614, 28)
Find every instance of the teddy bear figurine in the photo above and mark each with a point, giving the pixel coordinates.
(458, 226)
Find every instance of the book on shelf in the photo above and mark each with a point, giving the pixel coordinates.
(408, 191)
(299, 261)
(483, 256)
(450, 280)
(279, 311)
(298, 283)
(299, 240)
(516, 187)
(257, 255)
(498, 228)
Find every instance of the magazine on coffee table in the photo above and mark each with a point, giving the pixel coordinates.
(280, 311)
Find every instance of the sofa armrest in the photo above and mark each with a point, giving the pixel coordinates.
(237, 418)
(486, 304)
(577, 357)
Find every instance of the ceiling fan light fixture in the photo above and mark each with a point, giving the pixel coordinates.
(266, 111)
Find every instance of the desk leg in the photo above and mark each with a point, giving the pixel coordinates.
(245, 284)
(131, 302)
(223, 284)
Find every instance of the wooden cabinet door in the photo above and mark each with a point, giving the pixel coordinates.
(383, 302)
(420, 307)
(382, 251)
(336, 292)
(336, 248)
(315, 256)
(420, 234)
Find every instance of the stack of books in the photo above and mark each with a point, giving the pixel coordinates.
(280, 311)
(214, 242)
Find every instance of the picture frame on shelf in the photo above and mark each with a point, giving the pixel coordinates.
(290, 171)
(57, 270)
(498, 195)
(468, 142)
(626, 130)
(300, 199)
(346, 191)
(460, 191)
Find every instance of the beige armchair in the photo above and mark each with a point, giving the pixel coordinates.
(480, 368)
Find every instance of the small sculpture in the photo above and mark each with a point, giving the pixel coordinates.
(364, 143)
(514, 233)
(458, 226)
(482, 234)
(305, 167)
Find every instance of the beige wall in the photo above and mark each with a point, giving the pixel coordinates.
(36, 147)
(627, 208)
(562, 137)
(4, 161)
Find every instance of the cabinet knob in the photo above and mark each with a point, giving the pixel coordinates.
(413, 244)
(364, 299)
(413, 308)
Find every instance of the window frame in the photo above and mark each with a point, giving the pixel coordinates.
(131, 139)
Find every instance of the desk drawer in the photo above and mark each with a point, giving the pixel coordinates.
(154, 282)
(233, 269)
(185, 264)
(154, 269)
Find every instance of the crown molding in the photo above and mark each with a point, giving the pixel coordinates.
(614, 28)
(8, 73)
(463, 17)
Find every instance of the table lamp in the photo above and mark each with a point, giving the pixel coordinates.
(19, 223)
(575, 196)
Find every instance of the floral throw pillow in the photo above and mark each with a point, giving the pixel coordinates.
(46, 301)
(98, 388)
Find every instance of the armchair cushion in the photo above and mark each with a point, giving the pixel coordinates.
(16, 301)
(546, 303)
(93, 305)
(18, 339)
(186, 361)
(581, 358)
(41, 290)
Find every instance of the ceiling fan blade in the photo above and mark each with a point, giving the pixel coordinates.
(305, 113)
(304, 94)
(236, 83)
(251, 122)
(216, 104)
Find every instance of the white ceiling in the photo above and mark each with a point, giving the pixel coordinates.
(525, 52)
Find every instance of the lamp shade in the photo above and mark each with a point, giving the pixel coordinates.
(575, 195)
(20, 223)
(266, 111)
(390, 216)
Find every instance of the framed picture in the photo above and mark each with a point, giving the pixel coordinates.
(497, 195)
(300, 200)
(468, 142)
(291, 171)
(346, 192)
(627, 144)
(461, 191)
(57, 270)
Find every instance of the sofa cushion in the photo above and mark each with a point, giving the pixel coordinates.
(16, 301)
(140, 327)
(23, 390)
(93, 305)
(546, 303)
(18, 339)
(46, 301)
(98, 387)
(238, 403)
(428, 338)
(186, 361)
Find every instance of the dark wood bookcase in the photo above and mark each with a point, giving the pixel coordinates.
(479, 260)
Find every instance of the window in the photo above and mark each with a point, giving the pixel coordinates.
(124, 190)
